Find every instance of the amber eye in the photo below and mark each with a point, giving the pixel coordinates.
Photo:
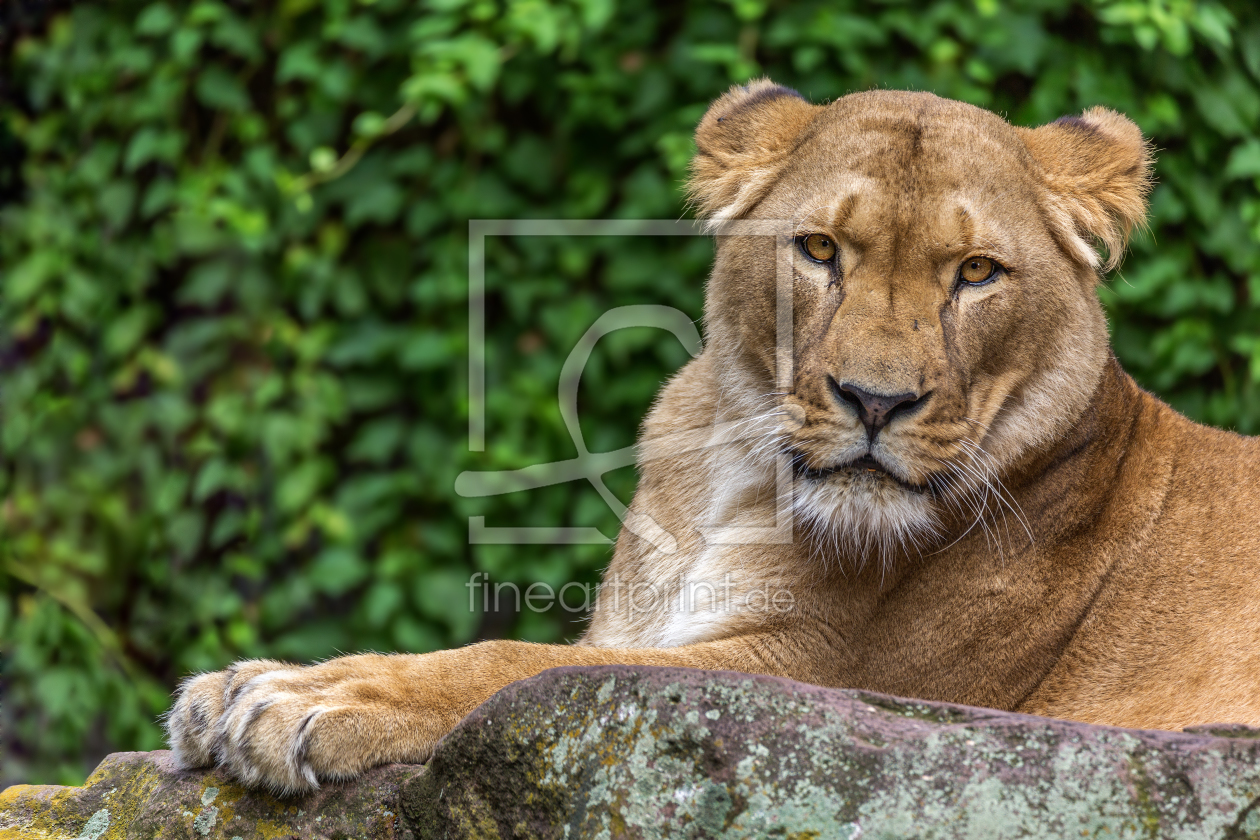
(977, 270)
(819, 247)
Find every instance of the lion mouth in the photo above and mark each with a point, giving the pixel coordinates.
(865, 465)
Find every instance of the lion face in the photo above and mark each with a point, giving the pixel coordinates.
(940, 274)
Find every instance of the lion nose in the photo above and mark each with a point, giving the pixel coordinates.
(875, 410)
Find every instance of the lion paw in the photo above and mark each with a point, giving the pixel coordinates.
(218, 718)
(286, 727)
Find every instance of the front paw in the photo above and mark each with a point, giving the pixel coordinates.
(264, 736)
(287, 727)
(193, 722)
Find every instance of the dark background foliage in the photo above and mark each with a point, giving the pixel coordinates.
(233, 293)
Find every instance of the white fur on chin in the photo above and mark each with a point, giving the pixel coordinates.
(855, 516)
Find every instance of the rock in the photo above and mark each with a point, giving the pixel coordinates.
(143, 795)
(662, 753)
(622, 752)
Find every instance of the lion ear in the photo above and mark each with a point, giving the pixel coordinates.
(741, 143)
(1097, 169)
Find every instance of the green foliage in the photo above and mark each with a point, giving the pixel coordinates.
(233, 299)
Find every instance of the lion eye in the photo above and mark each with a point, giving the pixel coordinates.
(977, 270)
(818, 247)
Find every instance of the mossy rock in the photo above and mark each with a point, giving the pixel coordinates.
(136, 796)
(674, 753)
(620, 752)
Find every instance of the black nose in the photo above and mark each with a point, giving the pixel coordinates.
(875, 410)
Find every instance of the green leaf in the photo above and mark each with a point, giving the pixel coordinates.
(156, 19)
(298, 487)
(126, 332)
(337, 570)
(298, 61)
(217, 88)
(152, 144)
(377, 442)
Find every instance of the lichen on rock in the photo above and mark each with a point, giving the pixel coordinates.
(143, 795)
(662, 753)
(618, 752)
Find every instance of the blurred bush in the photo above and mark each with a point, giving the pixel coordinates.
(233, 293)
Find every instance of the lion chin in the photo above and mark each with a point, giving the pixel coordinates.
(864, 514)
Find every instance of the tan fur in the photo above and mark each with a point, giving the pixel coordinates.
(1037, 534)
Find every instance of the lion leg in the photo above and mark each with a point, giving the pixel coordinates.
(287, 727)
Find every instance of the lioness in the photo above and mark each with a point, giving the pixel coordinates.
(988, 510)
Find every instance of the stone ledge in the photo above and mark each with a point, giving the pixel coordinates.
(143, 795)
(644, 752)
(663, 752)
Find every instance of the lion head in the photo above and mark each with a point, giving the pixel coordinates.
(937, 268)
